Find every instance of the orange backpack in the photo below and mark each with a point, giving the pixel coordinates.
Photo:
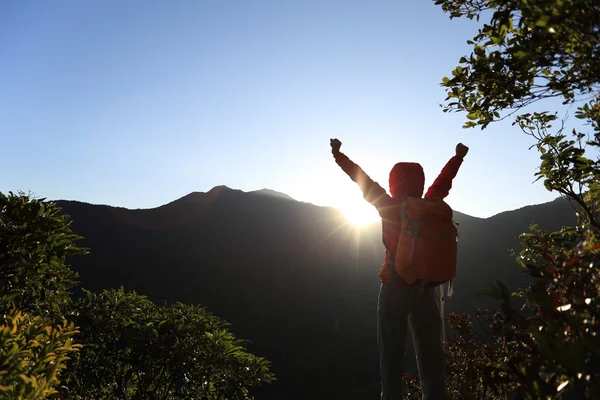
(427, 248)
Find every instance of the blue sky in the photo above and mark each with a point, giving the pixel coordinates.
(136, 103)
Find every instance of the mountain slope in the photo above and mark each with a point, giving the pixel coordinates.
(296, 279)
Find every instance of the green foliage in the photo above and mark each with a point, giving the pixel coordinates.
(468, 359)
(32, 354)
(528, 51)
(35, 341)
(565, 167)
(35, 240)
(548, 348)
(555, 348)
(134, 349)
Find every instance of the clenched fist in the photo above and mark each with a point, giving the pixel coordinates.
(461, 150)
(335, 145)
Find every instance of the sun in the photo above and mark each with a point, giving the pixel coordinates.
(360, 213)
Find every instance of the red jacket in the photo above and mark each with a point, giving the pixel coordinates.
(406, 179)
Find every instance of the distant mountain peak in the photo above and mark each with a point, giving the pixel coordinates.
(194, 197)
(217, 191)
(220, 188)
(272, 193)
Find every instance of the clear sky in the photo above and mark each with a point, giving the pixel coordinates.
(136, 103)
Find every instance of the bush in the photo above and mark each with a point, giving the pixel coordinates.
(35, 283)
(35, 241)
(32, 355)
(134, 349)
(129, 348)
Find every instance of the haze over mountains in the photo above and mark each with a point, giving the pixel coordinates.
(295, 279)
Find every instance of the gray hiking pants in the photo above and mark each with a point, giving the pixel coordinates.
(397, 307)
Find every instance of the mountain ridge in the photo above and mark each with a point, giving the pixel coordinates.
(266, 192)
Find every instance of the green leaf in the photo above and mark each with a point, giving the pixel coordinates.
(543, 21)
(504, 292)
(521, 54)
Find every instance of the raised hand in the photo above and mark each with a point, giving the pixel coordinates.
(461, 150)
(335, 145)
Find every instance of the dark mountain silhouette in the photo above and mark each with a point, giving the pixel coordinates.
(295, 279)
(269, 192)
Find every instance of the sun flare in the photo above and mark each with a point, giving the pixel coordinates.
(360, 214)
